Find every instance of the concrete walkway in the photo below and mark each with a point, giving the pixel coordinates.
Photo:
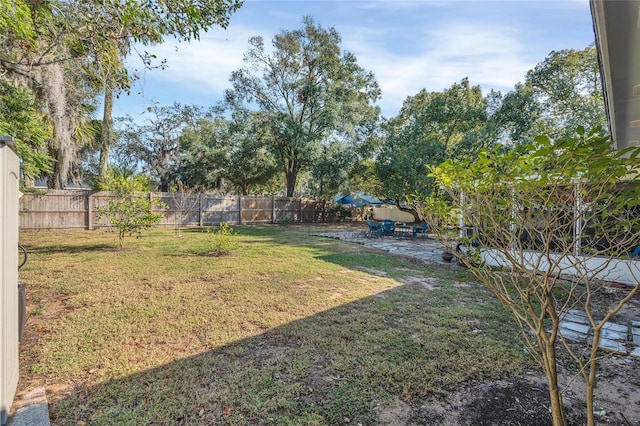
(32, 410)
(422, 249)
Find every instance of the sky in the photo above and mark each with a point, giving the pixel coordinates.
(408, 45)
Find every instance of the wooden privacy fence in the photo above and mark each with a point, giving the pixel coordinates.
(78, 209)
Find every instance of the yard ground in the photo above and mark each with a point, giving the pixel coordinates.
(289, 329)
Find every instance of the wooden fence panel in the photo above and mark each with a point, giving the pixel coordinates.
(312, 210)
(181, 207)
(287, 208)
(54, 210)
(215, 209)
(257, 210)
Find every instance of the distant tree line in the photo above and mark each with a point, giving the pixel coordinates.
(300, 118)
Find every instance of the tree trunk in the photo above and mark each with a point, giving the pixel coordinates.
(164, 184)
(54, 92)
(291, 184)
(416, 218)
(591, 378)
(106, 134)
(291, 176)
(550, 362)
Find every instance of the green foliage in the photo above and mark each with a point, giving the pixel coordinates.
(285, 221)
(130, 210)
(329, 174)
(155, 145)
(218, 151)
(223, 240)
(561, 93)
(31, 130)
(338, 213)
(363, 177)
(431, 127)
(72, 50)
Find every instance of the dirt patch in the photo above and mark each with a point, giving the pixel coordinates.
(394, 412)
(376, 272)
(526, 401)
(427, 284)
(501, 402)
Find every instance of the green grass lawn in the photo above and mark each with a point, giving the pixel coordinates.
(289, 329)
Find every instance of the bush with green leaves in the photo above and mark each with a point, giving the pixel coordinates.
(285, 221)
(550, 219)
(130, 209)
(338, 213)
(223, 240)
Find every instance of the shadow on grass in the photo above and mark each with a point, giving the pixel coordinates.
(72, 249)
(356, 363)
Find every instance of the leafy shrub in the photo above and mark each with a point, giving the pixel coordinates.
(223, 240)
(130, 210)
(338, 213)
(285, 221)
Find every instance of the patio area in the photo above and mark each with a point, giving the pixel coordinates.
(421, 249)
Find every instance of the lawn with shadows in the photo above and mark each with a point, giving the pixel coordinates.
(288, 329)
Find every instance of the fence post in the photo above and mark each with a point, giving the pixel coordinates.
(89, 211)
(300, 210)
(273, 209)
(200, 209)
(240, 209)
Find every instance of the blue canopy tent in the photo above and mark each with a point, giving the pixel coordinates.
(356, 199)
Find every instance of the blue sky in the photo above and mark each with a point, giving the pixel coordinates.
(408, 45)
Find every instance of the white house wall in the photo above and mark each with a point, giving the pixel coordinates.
(624, 271)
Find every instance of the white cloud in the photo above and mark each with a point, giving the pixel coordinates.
(489, 57)
(204, 65)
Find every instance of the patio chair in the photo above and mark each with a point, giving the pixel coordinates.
(375, 229)
(388, 227)
(422, 229)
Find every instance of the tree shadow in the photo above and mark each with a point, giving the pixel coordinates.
(344, 365)
(71, 249)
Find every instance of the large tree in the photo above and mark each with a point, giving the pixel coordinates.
(221, 153)
(431, 127)
(53, 45)
(155, 145)
(308, 90)
(562, 92)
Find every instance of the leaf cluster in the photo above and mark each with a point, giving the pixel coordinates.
(29, 128)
